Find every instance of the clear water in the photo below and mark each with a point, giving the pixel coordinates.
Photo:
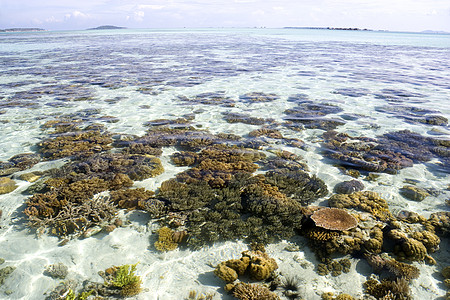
(47, 74)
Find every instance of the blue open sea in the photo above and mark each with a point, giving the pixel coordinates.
(223, 137)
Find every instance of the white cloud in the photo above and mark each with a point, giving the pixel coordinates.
(139, 16)
(151, 6)
(76, 14)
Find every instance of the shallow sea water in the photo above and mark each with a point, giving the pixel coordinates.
(381, 82)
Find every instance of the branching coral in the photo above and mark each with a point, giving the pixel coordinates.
(130, 198)
(83, 143)
(165, 240)
(397, 289)
(248, 291)
(381, 262)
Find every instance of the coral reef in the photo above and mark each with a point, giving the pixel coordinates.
(212, 98)
(131, 198)
(440, 222)
(387, 153)
(75, 143)
(268, 132)
(108, 165)
(245, 119)
(258, 97)
(310, 114)
(64, 217)
(330, 296)
(194, 296)
(365, 200)
(297, 184)
(19, 162)
(414, 115)
(412, 241)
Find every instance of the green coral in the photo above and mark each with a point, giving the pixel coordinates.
(71, 295)
(124, 278)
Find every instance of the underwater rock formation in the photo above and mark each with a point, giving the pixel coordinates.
(7, 185)
(311, 115)
(348, 187)
(254, 97)
(212, 98)
(414, 193)
(18, 162)
(58, 270)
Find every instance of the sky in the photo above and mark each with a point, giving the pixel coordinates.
(395, 15)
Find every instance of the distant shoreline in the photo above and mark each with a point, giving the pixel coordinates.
(21, 29)
(331, 28)
(106, 27)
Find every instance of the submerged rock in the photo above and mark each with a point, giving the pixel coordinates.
(348, 187)
(414, 193)
(7, 185)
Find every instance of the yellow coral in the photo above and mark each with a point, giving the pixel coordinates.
(225, 273)
(165, 240)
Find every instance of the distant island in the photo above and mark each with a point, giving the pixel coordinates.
(329, 28)
(105, 27)
(435, 31)
(21, 29)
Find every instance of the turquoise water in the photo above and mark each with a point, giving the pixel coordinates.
(301, 83)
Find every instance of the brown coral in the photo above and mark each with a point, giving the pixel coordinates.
(247, 291)
(365, 200)
(256, 262)
(165, 240)
(334, 219)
